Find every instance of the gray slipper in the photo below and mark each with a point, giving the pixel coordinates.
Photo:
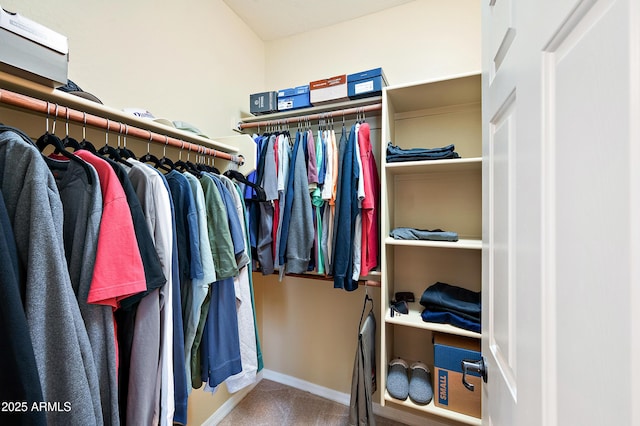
(398, 379)
(420, 388)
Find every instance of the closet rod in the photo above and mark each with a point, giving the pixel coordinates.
(319, 116)
(52, 109)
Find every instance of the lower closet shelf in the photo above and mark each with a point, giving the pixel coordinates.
(413, 319)
(431, 408)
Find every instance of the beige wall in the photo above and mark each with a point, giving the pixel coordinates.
(419, 40)
(192, 60)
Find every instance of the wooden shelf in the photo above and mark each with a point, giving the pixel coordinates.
(431, 408)
(413, 319)
(468, 244)
(435, 166)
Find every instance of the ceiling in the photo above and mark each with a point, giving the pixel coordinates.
(274, 19)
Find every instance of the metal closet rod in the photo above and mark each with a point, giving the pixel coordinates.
(52, 109)
(312, 117)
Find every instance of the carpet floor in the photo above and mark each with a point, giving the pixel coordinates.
(274, 404)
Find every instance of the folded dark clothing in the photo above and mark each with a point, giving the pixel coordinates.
(452, 319)
(453, 298)
(397, 154)
(423, 234)
(470, 317)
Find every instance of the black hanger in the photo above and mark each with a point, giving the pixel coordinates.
(51, 139)
(164, 162)
(236, 175)
(367, 299)
(84, 143)
(124, 151)
(110, 151)
(186, 166)
(150, 158)
(68, 141)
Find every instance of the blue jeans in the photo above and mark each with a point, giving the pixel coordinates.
(396, 154)
(423, 234)
(458, 300)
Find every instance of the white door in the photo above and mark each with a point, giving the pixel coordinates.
(561, 170)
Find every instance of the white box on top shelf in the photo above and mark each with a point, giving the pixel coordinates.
(32, 51)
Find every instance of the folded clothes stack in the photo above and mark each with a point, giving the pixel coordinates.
(402, 233)
(448, 304)
(396, 154)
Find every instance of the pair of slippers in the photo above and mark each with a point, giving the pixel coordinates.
(417, 385)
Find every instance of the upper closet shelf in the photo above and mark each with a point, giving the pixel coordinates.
(24, 94)
(336, 111)
(435, 166)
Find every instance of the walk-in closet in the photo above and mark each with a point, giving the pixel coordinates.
(239, 212)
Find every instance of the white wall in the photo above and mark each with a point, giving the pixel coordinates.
(190, 60)
(419, 40)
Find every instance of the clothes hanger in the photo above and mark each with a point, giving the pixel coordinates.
(51, 139)
(68, 141)
(165, 162)
(124, 151)
(149, 157)
(85, 144)
(236, 175)
(187, 166)
(110, 151)
(367, 299)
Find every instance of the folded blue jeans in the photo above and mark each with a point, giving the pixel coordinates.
(423, 234)
(452, 319)
(453, 299)
(397, 154)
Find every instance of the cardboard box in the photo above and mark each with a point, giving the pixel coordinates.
(366, 83)
(263, 103)
(450, 393)
(294, 98)
(332, 89)
(32, 51)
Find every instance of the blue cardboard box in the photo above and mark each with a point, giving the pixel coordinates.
(449, 392)
(366, 83)
(293, 98)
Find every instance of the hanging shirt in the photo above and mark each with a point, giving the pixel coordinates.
(82, 205)
(347, 204)
(193, 305)
(370, 203)
(62, 349)
(299, 239)
(151, 358)
(118, 270)
(244, 310)
(19, 374)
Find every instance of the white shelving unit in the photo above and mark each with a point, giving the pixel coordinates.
(440, 194)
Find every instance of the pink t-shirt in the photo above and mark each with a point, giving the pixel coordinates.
(118, 271)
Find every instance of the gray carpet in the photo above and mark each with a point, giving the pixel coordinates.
(275, 404)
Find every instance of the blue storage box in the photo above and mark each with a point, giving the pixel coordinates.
(293, 98)
(449, 392)
(366, 83)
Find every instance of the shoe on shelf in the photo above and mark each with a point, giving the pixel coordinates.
(398, 379)
(420, 388)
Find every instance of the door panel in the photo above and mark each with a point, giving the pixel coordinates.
(586, 141)
(561, 209)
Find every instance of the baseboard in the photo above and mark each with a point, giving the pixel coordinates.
(230, 404)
